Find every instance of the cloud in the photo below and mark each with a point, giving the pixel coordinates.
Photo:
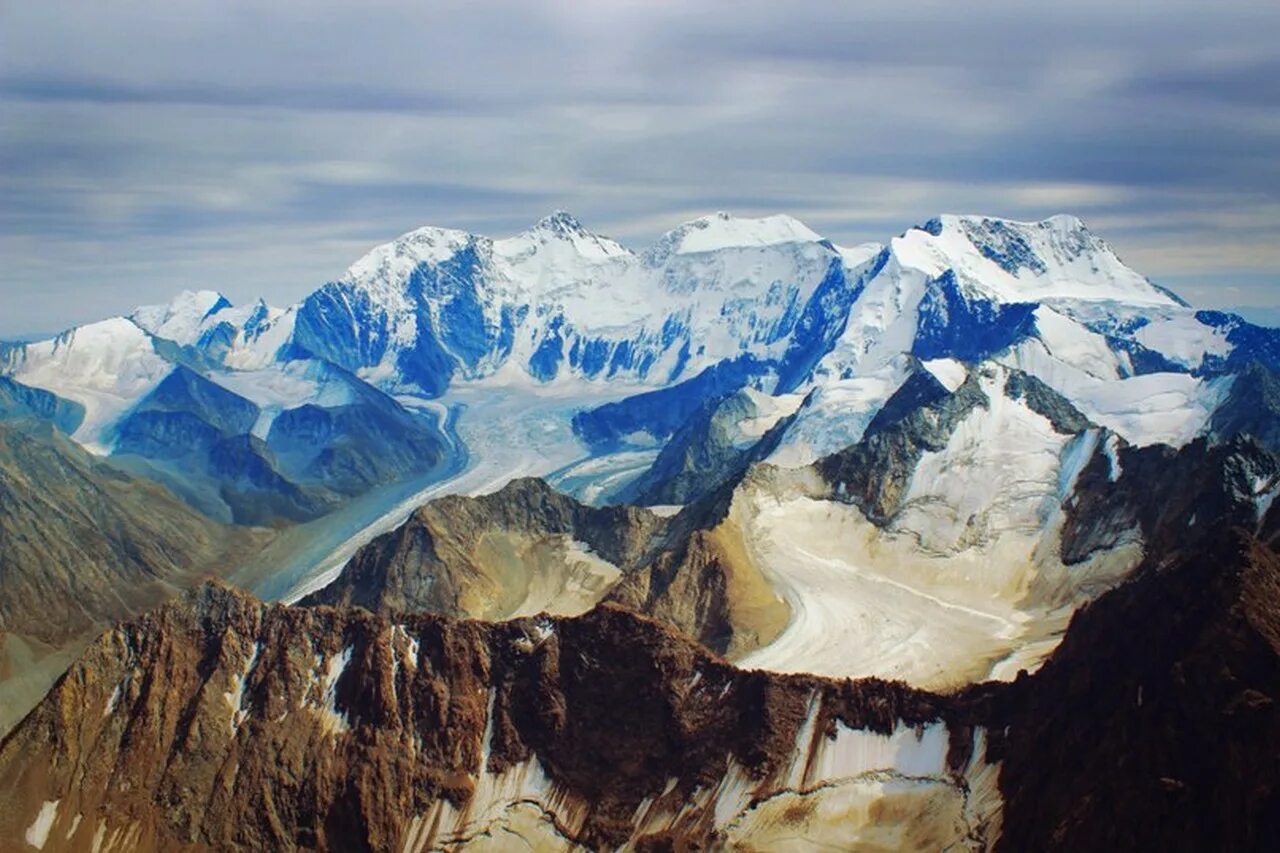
(259, 148)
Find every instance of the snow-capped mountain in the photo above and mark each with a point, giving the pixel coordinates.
(909, 465)
(715, 305)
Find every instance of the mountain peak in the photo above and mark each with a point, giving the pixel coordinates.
(1053, 258)
(180, 319)
(390, 262)
(723, 230)
(560, 229)
(560, 222)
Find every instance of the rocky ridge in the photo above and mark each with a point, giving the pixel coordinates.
(218, 722)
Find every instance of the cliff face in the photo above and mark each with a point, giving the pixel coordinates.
(527, 549)
(1156, 724)
(218, 722)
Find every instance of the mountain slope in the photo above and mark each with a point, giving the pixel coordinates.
(218, 722)
(517, 552)
(85, 544)
(1163, 744)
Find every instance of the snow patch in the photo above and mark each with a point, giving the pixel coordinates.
(1154, 408)
(38, 833)
(1183, 339)
(1111, 447)
(235, 696)
(105, 366)
(336, 721)
(183, 318)
(949, 372)
(113, 700)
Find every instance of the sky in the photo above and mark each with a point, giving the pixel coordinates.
(260, 148)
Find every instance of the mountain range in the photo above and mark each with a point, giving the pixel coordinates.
(746, 539)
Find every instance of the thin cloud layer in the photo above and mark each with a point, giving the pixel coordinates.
(258, 151)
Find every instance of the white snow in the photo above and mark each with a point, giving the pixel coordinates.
(851, 617)
(507, 432)
(965, 577)
(335, 721)
(949, 372)
(1078, 265)
(113, 700)
(1154, 408)
(723, 231)
(998, 472)
(1182, 338)
(38, 833)
(235, 696)
(105, 366)
(856, 256)
(1070, 342)
(768, 411)
(837, 415)
(1112, 448)
(184, 318)
(595, 479)
(284, 386)
(394, 261)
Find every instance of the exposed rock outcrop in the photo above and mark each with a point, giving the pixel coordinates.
(518, 551)
(714, 447)
(1156, 724)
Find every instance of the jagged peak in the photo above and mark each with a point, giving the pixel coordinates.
(560, 222)
(559, 231)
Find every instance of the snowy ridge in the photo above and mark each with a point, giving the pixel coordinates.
(562, 310)
(1058, 258)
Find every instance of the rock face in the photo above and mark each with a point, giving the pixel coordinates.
(1156, 724)
(218, 722)
(528, 549)
(519, 551)
(705, 580)
(714, 447)
(244, 463)
(1174, 498)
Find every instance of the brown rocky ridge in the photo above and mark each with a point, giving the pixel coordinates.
(219, 722)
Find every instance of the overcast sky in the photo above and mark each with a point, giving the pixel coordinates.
(148, 147)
